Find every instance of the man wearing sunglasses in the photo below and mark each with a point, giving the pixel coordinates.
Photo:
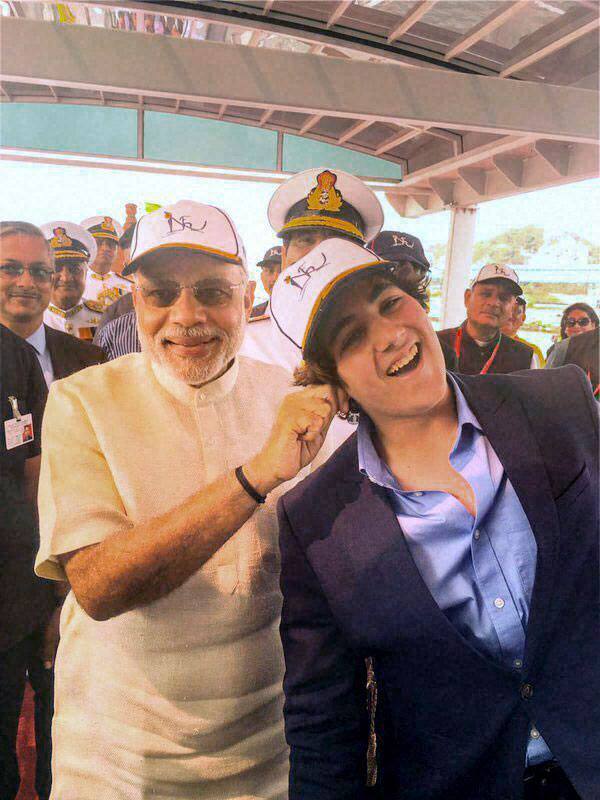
(73, 249)
(170, 671)
(26, 281)
(29, 642)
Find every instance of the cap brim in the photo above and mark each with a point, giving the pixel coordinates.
(266, 262)
(230, 258)
(514, 286)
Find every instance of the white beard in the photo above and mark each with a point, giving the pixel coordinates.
(194, 371)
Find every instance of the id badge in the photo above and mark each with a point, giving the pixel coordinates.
(18, 431)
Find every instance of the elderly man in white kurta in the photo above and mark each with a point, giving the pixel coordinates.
(159, 480)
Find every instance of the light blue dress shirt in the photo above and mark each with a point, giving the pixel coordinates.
(480, 570)
(38, 341)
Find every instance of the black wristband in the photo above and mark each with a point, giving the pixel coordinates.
(247, 486)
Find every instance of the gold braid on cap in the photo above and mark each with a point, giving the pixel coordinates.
(314, 221)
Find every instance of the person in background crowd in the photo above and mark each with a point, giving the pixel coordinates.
(170, 666)
(513, 324)
(120, 338)
(103, 284)
(425, 543)
(478, 343)
(73, 248)
(406, 251)
(576, 319)
(28, 605)
(26, 275)
(270, 267)
(583, 351)
(308, 208)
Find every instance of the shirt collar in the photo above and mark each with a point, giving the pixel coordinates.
(375, 468)
(38, 340)
(205, 395)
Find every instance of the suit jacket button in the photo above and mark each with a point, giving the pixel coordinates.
(526, 691)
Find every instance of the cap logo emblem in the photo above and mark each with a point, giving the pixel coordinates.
(304, 274)
(182, 223)
(402, 241)
(324, 196)
(500, 270)
(107, 225)
(60, 238)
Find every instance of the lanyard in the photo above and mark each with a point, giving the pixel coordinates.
(488, 363)
(597, 389)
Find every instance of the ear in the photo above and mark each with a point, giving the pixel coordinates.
(467, 297)
(249, 298)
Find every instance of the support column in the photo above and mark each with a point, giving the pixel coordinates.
(459, 256)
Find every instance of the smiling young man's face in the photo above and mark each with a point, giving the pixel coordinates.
(386, 352)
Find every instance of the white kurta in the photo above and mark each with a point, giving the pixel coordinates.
(181, 698)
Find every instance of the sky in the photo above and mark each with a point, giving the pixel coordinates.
(42, 193)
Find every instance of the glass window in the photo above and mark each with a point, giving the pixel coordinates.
(97, 130)
(300, 153)
(171, 137)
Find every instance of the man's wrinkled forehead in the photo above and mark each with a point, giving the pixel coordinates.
(174, 263)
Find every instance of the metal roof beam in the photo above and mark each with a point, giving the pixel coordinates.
(164, 67)
(421, 8)
(544, 47)
(310, 123)
(396, 141)
(354, 130)
(495, 20)
(338, 12)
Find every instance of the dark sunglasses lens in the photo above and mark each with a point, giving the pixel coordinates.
(11, 272)
(161, 298)
(582, 323)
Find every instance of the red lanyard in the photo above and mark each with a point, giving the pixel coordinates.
(488, 363)
(597, 389)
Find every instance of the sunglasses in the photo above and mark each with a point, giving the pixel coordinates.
(39, 274)
(210, 293)
(583, 322)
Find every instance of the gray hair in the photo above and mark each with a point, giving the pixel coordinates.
(15, 227)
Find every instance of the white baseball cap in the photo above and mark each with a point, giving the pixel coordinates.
(68, 240)
(303, 289)
(104, 227)
(498, 272)
(326, 198)
(187, 224)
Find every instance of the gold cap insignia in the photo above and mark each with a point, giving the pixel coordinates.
(107, 225)
(60, 238)
(324, 196)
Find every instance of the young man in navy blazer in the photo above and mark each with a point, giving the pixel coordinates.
(454, 541)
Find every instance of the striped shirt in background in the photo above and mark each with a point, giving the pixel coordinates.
(119, 336)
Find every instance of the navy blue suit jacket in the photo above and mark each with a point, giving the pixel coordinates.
(453, 724)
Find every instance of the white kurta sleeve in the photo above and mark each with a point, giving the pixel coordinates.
(78, 501)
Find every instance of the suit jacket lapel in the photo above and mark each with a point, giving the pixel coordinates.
(509, 431)
(58, 355)
(368, 533)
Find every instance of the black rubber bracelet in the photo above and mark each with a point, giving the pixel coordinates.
(247, 486)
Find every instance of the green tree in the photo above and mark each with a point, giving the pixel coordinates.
(513, 246)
